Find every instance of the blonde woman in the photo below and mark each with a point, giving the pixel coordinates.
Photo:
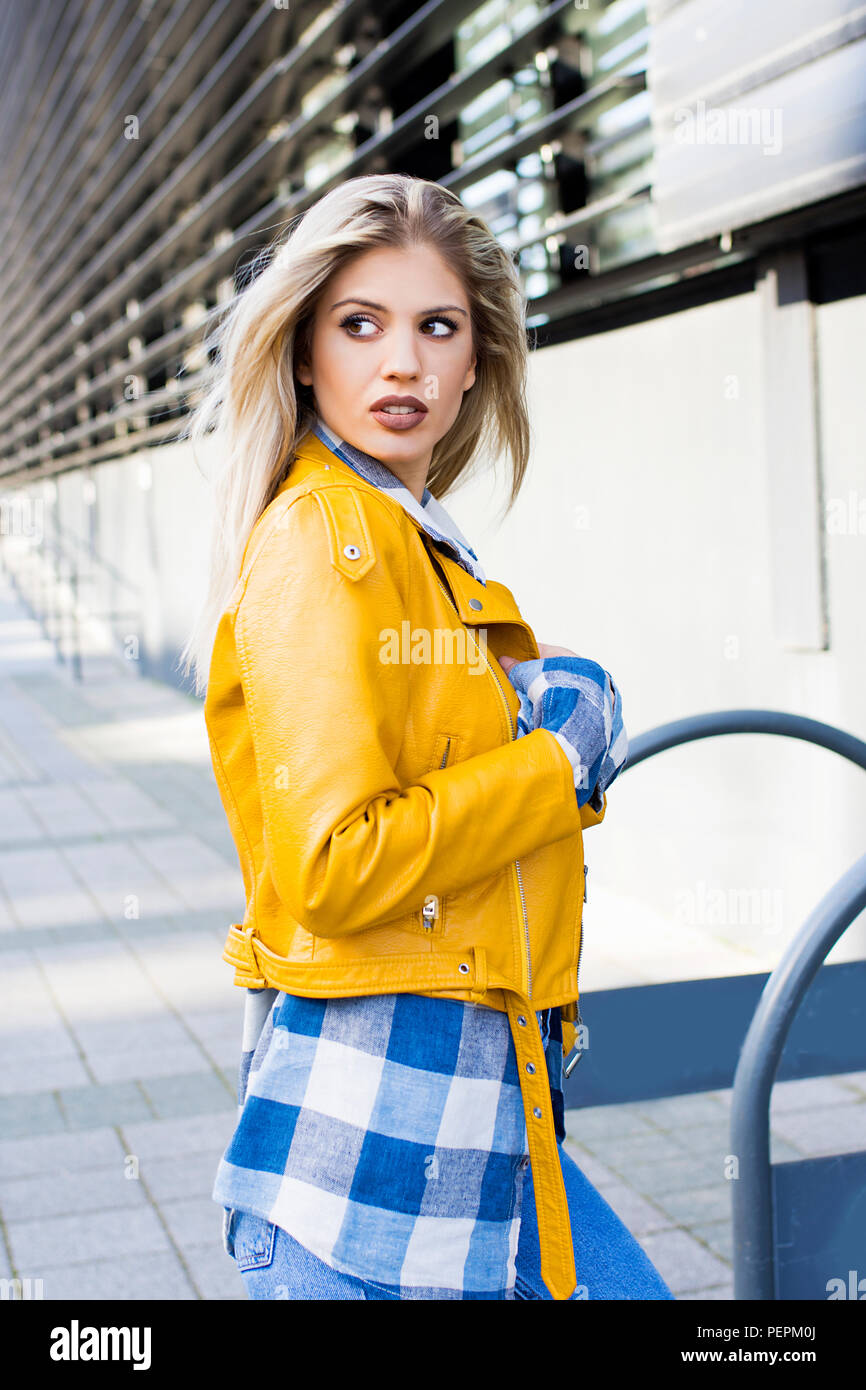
(407, 776)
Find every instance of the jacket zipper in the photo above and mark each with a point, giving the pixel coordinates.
(511, 732)
(580, 944)
(578, 1021)
(430, 910)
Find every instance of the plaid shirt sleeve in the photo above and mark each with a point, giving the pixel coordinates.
(577, 700)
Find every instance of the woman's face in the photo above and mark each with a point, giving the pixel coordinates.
(392, 323)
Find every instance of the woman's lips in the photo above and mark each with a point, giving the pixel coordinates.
(399, 421)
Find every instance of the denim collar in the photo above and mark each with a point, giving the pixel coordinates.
(429, 513)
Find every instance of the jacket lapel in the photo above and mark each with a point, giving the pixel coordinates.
(490, 605)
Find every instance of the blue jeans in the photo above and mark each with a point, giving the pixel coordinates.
(609, 1262)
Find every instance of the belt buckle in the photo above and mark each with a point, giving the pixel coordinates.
(253, 978)
(577, 1051)
(570, 1066)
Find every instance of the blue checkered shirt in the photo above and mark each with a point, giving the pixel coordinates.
(386, 1133)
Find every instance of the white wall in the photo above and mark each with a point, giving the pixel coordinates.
(656, 431)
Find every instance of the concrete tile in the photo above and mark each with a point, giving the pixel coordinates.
(783, 1152)
(190, 1134)
(148, 1277)
(702, 1204)
(719, 1236)
(225, 1053)
(37, 1041)
(144, 928)
(672, 1112)
(43, 939)
(25, 1115)
(21, 1074)
(145, 1064)
(812, 1093)
(634, 1211)
(58, 1194)
(42, 889)
(151, 1030)
(682, 1262)
(123, 876)
(719, 1293)
(591, 1167)
(230, 1077)
(125, 806)
(624, 1152)
(88, 1107)
(828, 1130)
(184, 1175)
(194, 1221)
(655, 1179)
(81, 1238)
(200, 877)
(215, 1276)
(187, 970)
(91, 978)
(61, 811)
(600, 1121)
(193, 1093)
(711, 1140)
(212, 1025)
(17, 820)
(59, 1153)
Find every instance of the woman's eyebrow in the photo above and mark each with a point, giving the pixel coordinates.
(440, 308)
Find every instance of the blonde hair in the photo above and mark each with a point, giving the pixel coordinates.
(258, 411)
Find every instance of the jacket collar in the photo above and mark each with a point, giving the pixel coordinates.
(428, 514)
(479, 602)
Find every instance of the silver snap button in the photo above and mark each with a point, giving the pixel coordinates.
(351, 552)
(475, 603)
(463, 968)
(327, 465)
(521, 1020)
(530, 1067)
(537, 1113)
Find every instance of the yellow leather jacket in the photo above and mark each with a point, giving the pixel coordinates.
(393, 833)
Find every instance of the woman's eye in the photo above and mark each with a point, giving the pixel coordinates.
(357, 319)
(451, 326)
(352, 321)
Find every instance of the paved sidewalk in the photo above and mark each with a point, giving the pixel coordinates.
(120, 1025)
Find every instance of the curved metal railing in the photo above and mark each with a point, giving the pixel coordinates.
(752, 1212)
(745, 721)
(782, 995)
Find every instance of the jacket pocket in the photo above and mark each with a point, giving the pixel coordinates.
(431, 918)
(432, 915)
(445, 751)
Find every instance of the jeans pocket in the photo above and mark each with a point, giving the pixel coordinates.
(252, 1239)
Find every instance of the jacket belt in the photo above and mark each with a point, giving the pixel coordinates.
(551, 1203)
(258, 967)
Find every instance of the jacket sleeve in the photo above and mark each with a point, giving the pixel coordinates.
(349, 847)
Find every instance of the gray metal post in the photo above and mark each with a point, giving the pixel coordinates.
(754, 1244)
